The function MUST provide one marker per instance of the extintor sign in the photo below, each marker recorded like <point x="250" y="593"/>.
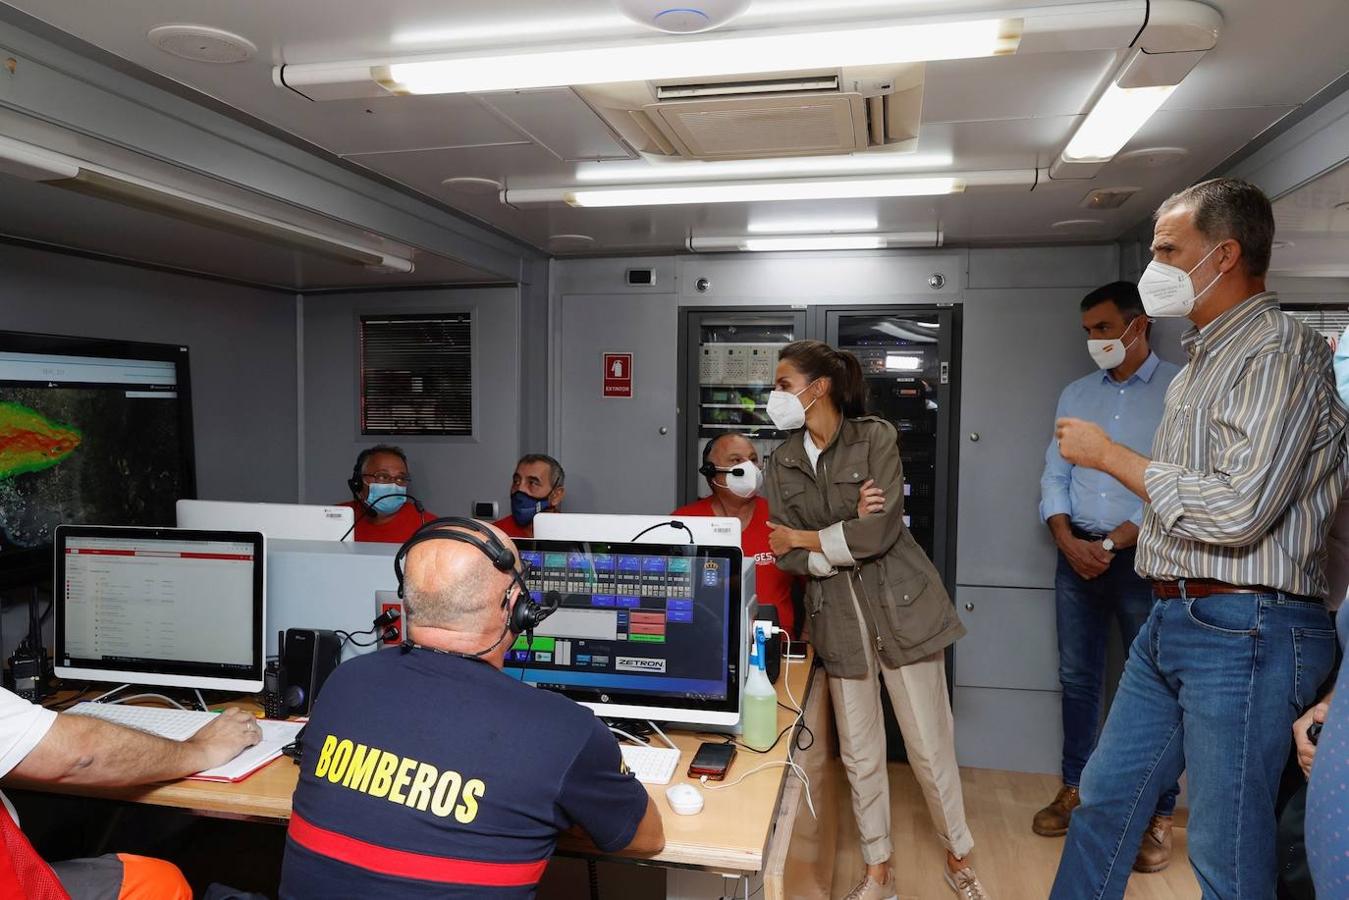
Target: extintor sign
<point x="617" y="375"/>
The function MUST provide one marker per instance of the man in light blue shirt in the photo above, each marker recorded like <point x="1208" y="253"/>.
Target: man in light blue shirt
<point x="1095" y="522"/>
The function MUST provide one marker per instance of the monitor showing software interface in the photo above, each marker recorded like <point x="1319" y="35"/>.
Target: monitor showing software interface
<point x="160" y="606"/>
<point x="644" y="630"/>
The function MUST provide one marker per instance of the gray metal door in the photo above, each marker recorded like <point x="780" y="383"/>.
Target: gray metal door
<point x="618" y="452"/>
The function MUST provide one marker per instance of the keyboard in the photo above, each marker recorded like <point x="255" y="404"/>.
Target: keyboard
<point x="181" y="724"/>
<point x="651" y="765"/>
<point x="174" y="724"/>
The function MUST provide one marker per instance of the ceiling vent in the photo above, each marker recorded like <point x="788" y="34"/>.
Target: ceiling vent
<point x="803" y="114"/>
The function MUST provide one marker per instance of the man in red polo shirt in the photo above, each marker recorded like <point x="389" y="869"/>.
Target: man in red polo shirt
<point x="731" y="467"/>
<point x="385" y="511"/>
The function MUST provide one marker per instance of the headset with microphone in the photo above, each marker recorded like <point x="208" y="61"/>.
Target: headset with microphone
<point x="710" y="469"/>
<point x="524" y="617"/>
<point x="357" y="480"/>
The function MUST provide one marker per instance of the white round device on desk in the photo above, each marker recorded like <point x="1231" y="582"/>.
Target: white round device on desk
<point x="685" y="799"/>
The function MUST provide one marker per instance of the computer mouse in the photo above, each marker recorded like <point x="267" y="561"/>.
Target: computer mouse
<point x="685" y="799"/>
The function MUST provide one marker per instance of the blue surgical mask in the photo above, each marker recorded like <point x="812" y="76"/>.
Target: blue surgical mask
<point x="386" y="499"/>
<point x="524" y="508"/>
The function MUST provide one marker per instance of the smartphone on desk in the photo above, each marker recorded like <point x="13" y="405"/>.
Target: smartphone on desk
<point x="795" y="650"/>
<point x="712" y="760"/>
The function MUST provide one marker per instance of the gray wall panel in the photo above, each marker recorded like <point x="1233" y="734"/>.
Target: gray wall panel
<point x="1019" y="731"/>
<point x="1012" y="639"/>
<point x="448" y="473"/>
<point x="242" y="345"/>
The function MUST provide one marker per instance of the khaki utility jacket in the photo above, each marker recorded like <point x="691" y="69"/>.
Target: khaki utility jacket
<point x="906" y="609"/>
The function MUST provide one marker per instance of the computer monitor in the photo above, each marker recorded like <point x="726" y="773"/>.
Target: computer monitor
<point x="161" y="606"/>
<point x="711" y="531"/>
<point x="91" y="431"/>
<point x="279" y="521"/>
<point x="645" y="631"/>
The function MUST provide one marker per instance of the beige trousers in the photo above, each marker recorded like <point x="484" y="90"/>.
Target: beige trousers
<point x="918" y="692"/>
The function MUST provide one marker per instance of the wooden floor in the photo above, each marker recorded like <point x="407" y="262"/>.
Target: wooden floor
<point x="1013" y="862"/>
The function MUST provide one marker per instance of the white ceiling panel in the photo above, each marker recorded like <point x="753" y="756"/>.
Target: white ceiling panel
<point x="1312" y="227"/>
<point x="998" y="144"/>
<point x="560" y="121"/>
<point x="404" y="123"/>
<point x="1018" y="87"/>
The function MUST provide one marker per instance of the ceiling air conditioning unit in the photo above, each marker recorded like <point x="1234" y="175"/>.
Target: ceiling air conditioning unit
<point x="873" y="108"/>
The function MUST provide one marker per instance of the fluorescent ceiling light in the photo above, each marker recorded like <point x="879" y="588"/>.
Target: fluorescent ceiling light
<point x="788" y="242"/>
<point x="816" y="242"/>
<point x="732" y="53"/>
<point x="39" y="164"/>
<point x="534" y="27"/>
<point x="1115" y="118"/>
<point x="816" y="225"/>
<point x="750" y="191"/>
<point x="34" y="163"/>
<point x="872" y="162"/>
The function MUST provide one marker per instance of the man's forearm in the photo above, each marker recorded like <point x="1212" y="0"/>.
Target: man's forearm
<point x="83" y="750"/>
<point x="1060" y="528"/>
<point x="1128" y="468"/>
<point x="1125" y="536"/>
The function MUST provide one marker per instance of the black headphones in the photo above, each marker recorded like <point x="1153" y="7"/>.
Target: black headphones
<point x="527" y="614"/>
<point x="707" y="469"/>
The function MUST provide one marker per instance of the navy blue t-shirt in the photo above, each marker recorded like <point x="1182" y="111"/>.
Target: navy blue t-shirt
<point x="430" y="775"/>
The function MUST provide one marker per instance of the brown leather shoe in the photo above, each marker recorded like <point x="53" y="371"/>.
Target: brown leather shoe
<point x="1155" y="853"/>
<point x="1052" y="821"/>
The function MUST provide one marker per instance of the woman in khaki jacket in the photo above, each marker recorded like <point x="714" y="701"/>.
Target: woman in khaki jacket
<point x="874" y="601"/>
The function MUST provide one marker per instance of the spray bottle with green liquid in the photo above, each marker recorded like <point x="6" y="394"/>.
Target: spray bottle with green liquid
<point x="759" y="719"/>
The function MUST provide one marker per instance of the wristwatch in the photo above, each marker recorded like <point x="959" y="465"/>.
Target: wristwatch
<point x="1108" y="545"/>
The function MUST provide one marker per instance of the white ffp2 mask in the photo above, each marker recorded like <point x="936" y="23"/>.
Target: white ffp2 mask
<point x="745" y="484"/>
<point x="1110" y="354"/>
<point x="785" y="409"/>
<point x="1168" y="292"/>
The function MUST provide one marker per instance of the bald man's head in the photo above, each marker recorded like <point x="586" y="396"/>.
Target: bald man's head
<point x="453" y="585"/>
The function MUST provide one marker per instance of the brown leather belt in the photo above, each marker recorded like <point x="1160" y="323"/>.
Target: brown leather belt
<point x="1205" y="587"/>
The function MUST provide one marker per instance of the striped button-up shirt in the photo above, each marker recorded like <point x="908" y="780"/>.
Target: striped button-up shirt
<point x="1249" y="461"/>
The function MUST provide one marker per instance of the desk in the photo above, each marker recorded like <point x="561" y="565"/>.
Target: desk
<point x="742" y="830"/>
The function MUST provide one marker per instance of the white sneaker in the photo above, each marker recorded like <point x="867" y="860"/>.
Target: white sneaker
<point x="966" y="884"/>
<point x="870" y="889"/>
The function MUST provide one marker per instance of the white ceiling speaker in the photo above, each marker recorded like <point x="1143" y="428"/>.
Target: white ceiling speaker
<point x="687" y="17"/>
<point x="569" y="243"/>
<point x="1152" y="157"/>
<point x="1077" y="224"/>
<point x="201" y="43"/>
<point x="473" y="185"/>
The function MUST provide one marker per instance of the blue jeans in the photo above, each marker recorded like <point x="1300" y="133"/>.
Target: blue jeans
<point x="1084" y="611"/>
<point x="1212" y="687"/>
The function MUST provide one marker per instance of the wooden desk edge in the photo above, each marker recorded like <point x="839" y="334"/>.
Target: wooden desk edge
<point x="265" y="797"/>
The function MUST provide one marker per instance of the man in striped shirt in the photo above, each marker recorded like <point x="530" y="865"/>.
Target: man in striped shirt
<point x="1246" y="469"/>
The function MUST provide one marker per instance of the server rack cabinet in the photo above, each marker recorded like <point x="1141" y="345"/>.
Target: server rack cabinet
<point x="727" y="360"/>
